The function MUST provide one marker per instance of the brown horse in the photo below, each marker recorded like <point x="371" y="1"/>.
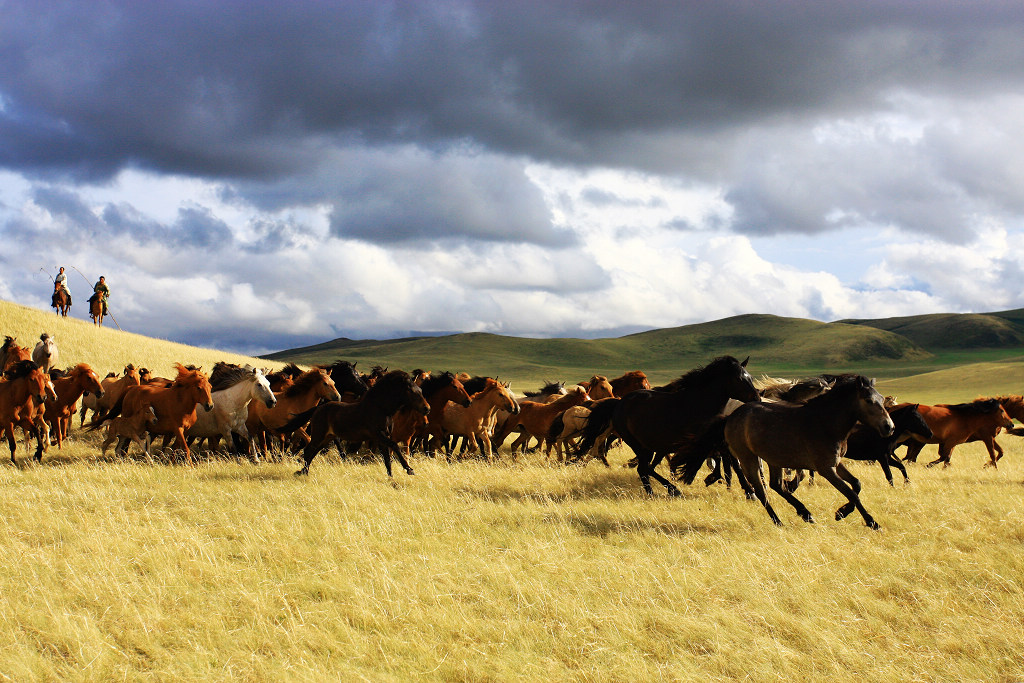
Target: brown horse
<point x="363" y="420"/>
<point x="11" y="353"/>
<point x="473" y="422"/>
<point x="61" y="300"/>
<point x="23" y="385"/>
<point x="599" y="387"/>
<point x="175" y="406"/>
<point x="952" y="425"/>
<point x="69" y="387"/>
<point x="409" y="423"/>
<point x="810" y="436"/>
<point x="536" y="418"/>
<point x="308" y="389"/>
<point x="634" y="380"/>
<point x="113" y="388"/>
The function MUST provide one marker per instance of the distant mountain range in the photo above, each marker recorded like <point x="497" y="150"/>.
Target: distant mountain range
<point x="917" y="342"/>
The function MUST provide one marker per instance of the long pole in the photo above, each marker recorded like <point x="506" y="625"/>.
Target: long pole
<point x="111" y="315"/>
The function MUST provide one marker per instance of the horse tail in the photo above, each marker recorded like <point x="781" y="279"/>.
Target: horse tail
<point x="98" y="419"/>
<point x="691" y="459"/>
<point x="599" y="420"/>
<point x="298" y="420"/>
<point x="555" y="430"/>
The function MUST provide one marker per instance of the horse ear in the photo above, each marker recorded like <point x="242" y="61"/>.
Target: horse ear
<point x="744" y="363"/>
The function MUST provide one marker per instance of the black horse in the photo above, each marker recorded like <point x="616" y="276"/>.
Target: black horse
<point x="346" y="378"/>
<point x="363" y="420"/>
<point x="656" y="423"/>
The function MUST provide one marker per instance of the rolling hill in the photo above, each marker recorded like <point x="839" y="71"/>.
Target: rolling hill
<point x="956" y="330"/>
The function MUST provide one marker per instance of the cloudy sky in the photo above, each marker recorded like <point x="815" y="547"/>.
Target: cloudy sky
<point x="260" y="175"/>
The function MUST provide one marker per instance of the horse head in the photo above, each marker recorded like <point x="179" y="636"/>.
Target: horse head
<point x="195" y="379"/>
<point x="870" y="405"/>
<point x="261" y="389"/>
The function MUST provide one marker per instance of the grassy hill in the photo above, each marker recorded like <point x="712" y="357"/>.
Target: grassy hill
<point x="107" y="349"/>
<point x="773" y="342"/>
<point x="956" y="330"/>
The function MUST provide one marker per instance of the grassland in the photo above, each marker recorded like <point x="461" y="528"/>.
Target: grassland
<point x="514" y="570"/>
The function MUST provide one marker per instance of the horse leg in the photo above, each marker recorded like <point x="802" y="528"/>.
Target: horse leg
<point x="945" y="450"/>
<point x="716" y="471"/>
<point x="884" y="463"/>
<point x="387" y="445"/>
<point x="895" y="462"/>
<point x="12" y="443"/>
<point x="750" y="464"/>
<point x="777" y="485"/>
<point x="992" y="446"/>
<point x="913" y="448"/>
<point x="672" y="489"/>
<point x="849" y="486"/>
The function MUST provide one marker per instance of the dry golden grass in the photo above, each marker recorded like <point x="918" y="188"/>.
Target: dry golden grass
<point x="120" y="569"/>
<point x="107" y="349"/>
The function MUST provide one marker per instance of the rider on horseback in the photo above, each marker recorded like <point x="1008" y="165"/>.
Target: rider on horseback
<point x="102" y="292"/>
<point x="61" y="283"/>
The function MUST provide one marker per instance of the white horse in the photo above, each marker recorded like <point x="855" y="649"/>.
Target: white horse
<point x="232" y="392"/>
<point x="45" y="353"/>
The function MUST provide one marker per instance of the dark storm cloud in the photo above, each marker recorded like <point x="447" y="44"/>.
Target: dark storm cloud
<point x="257" y="92"/>
<point x="225" y="89"/>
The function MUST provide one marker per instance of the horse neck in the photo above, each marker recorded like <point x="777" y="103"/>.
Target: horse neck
<point x="235" y="397"/>
<point x="300" y="403"/>
<point x="832" y="413"/>
<point x="181" y="398"/>
<point x="484" y="403"/>
<point x="439" y="399"/>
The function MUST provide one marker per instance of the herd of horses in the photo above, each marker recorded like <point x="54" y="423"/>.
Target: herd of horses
<point x="717" y="415"/>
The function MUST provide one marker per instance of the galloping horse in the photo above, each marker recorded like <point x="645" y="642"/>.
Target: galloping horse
<point x="61" y="301"/>
<point x="952" y="425"/>
<point x="69" y="387"/>
<point x="96" y="310"/>
<point x="473" y="422"/>
<point x="233" y="387"/>
<point x="309" y="389"/>
<point x="45" y="354"/>
<point x="409" y="423"/>
<point x="284" y="378"/>
<point x="363" y="420"/>
<point x="11" y="353"/>
<point x="866" y="444"/>
<point x="347" y="379"/>
<point x="656" y="423"/>
<point x="23" y="383"/>
<point x="598" y="387"/>
<point x="810" y="436"/>
<point x="175" y="406"/>
<point x="551" y="391"/>
<point x="113" y="388"/>
<point x="535" y="418"/>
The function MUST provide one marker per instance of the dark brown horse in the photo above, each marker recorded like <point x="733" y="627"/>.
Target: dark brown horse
<point x="11" y="353"/>
<point x="952" y="425"/>
<point x="409" y="423"/>
<point x="61" y="300"/>
<point x="23" y="386"/>
<point x="363" y="420"/>
<point x="656" y="423"/>
<point x="96" y="310"/>
<point x="809" y="436"/>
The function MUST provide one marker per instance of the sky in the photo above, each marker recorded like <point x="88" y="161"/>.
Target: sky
<point x="261" y="175"/>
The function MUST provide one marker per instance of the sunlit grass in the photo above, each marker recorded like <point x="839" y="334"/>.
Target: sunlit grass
<point x="514" y="570"/>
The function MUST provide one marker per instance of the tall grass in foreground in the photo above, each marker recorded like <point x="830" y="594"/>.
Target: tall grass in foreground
<point x="507" y="571"/>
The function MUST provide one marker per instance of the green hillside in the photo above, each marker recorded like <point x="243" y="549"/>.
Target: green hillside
<point x="773" y="342"/>
<point x="956" y="330"/>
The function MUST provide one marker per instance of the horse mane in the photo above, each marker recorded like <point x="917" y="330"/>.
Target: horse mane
<point x="227" y="375"/>
<point x="340" y="363"/>
<point x="980" y="406"/>
<point x="475" y="385"/>
<point x="44" y="336"/>
<point x="188" y="374"/>
<point x="389" y="380"/>
<point x="840" y="383"/>
<point x="488" y="384"/>
<point x="22" y="368"/>
<point x="290" y="371"/>
<point x="435" y="383"/>
<point x="9" y="341"/>
<point x="698" y="375"/>
<point x="305" y="382"/>
<point x="547" y="389"/>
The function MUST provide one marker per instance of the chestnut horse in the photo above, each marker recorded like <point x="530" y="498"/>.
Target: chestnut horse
<point x="536" y="418"/>
<point x="23" y="383"/>
<point x="635" y="380"/>
<point x="11" y="353"/>
<point x="69" y="387"/>
<point x="175" y="406"/>
<point x="113" y="388"/>
<point x="473" y="422"/>
<point x="61" y="300"/>
<point x="309" y="389"/>
<point x="363" y="420"/>
<point x="951" y="425"/>
<point x="96" y="310"/>
<point x="598" y="387"/>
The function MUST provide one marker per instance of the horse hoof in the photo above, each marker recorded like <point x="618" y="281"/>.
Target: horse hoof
<point x="809" y="519"/>
<point x="410" y="472"/>
<point x="301" y="473"/>
<point x="873" y="525"/>
<point x="675" y="493"/>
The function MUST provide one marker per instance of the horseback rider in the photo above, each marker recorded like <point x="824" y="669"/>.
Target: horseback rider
<point x="61" y="283"/>
<point x="102" y="292"/>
